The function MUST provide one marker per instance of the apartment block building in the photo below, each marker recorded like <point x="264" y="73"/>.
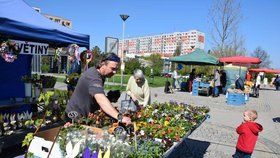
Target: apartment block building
<point x="164" y="44"/>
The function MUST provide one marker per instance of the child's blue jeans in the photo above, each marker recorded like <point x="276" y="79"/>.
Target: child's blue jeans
<point x="241" y="154"/>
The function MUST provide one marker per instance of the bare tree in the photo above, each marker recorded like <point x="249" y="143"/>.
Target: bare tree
<point x="263" y="55"/>
<point x="224" y="19"/>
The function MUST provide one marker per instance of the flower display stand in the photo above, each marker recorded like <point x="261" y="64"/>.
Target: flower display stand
<point x="195" y="86"/>
<point x="180" y="148"/>
<point x="236" y="98"/>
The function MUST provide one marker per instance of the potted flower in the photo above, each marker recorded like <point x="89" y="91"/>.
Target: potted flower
<point x="28" y="85"/>
<point x="36" y="81"/>
<point x="9" y="50"/>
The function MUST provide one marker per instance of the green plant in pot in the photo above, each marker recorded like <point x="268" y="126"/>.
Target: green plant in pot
<point x="37" y="83"/>
<point x="28" y="85"/>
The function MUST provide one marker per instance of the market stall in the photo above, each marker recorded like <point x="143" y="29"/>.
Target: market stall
<point x="265" y="70"/>
<point x="197" y="57"/>
<point x="274" y="81"/>
<point x="236" y="69"/>
<point x="24" y="33"/>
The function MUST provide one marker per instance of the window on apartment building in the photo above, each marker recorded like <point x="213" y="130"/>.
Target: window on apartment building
<point x="57" y="20"/>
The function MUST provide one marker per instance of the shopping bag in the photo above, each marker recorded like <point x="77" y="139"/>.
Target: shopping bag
<point x="127" y="105"/>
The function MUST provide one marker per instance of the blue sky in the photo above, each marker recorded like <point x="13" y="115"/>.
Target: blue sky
<point x="100" y="18"/>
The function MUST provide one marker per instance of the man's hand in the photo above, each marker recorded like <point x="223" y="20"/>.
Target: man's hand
<point x="126" y="120"/>
<point x="140" y="107"/>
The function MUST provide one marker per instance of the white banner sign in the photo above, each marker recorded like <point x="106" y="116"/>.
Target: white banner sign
<point x="111" y="45"/>
<point x="32" y="48"/>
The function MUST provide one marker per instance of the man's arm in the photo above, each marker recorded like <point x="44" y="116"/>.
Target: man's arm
<point x="107" y="107"/>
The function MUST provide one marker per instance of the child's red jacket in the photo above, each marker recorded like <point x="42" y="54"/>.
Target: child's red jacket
<point x="248" y="135"/>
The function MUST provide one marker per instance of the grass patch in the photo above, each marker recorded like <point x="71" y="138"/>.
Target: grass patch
<point x="153" y="82"/>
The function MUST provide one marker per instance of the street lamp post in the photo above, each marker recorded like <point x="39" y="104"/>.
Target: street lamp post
<point x="124" y="17"/>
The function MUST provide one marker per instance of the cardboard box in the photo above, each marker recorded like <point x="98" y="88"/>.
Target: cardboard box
<point x="42" y="143"/>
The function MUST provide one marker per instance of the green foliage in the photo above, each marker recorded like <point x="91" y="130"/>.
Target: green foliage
<point x="97" y="54"/>
<point x="148" y="149"/>
<point x="46" y="60"/>
<point x="48" y="81"/>
<point x="29" y="123"/>
<point x="62" y="137"/>
<point x="30" y="155"/>
<point x="46" y="97"/>
<point x="28" y="138"/>
<point x="157" y="81"/>
<point x="206" y="70"/>
<point x="45" y="68"/>
<point x="131" y="65"/>
<point x="147" y="71"/>
<point x="269" y="77"/>
<point x="157" y="63"/>
<point x="38" y="122"/>
<point x="176" y="53"/>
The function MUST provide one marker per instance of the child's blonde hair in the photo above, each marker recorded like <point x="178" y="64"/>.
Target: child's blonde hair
<point x="253" y="114"/>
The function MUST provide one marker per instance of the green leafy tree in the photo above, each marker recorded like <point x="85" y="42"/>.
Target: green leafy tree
<point x="156" y="63"/>
<point x="177" y="52"/>
<point x="131" y="65"/>
<point x="96" y="56"/>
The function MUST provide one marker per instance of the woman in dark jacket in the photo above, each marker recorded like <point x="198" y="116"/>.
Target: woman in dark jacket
<point x="277" y="83"/>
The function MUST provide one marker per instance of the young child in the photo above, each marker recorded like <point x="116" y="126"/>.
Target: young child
<point x="248" y="134"/>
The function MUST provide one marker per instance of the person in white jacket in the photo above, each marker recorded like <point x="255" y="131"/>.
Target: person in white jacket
<point x="258" y="80"/>
<point x="175" y="81"/>
<point x="138" y="89"/>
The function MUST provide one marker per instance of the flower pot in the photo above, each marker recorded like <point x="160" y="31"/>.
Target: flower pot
<point x="37" y="92"/>
<point x="28" y="89"/>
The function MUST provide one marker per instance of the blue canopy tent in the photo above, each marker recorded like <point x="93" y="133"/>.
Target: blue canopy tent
<point x="19" y="21"/>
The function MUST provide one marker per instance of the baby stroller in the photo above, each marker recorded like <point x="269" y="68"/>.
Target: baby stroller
<point x="255" y="90"/>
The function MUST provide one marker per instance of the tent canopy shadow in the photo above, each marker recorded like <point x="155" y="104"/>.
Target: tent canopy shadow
<point x="189" y="148"/>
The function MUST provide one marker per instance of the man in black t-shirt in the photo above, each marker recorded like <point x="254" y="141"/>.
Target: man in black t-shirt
<point x="89" y="93"/>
